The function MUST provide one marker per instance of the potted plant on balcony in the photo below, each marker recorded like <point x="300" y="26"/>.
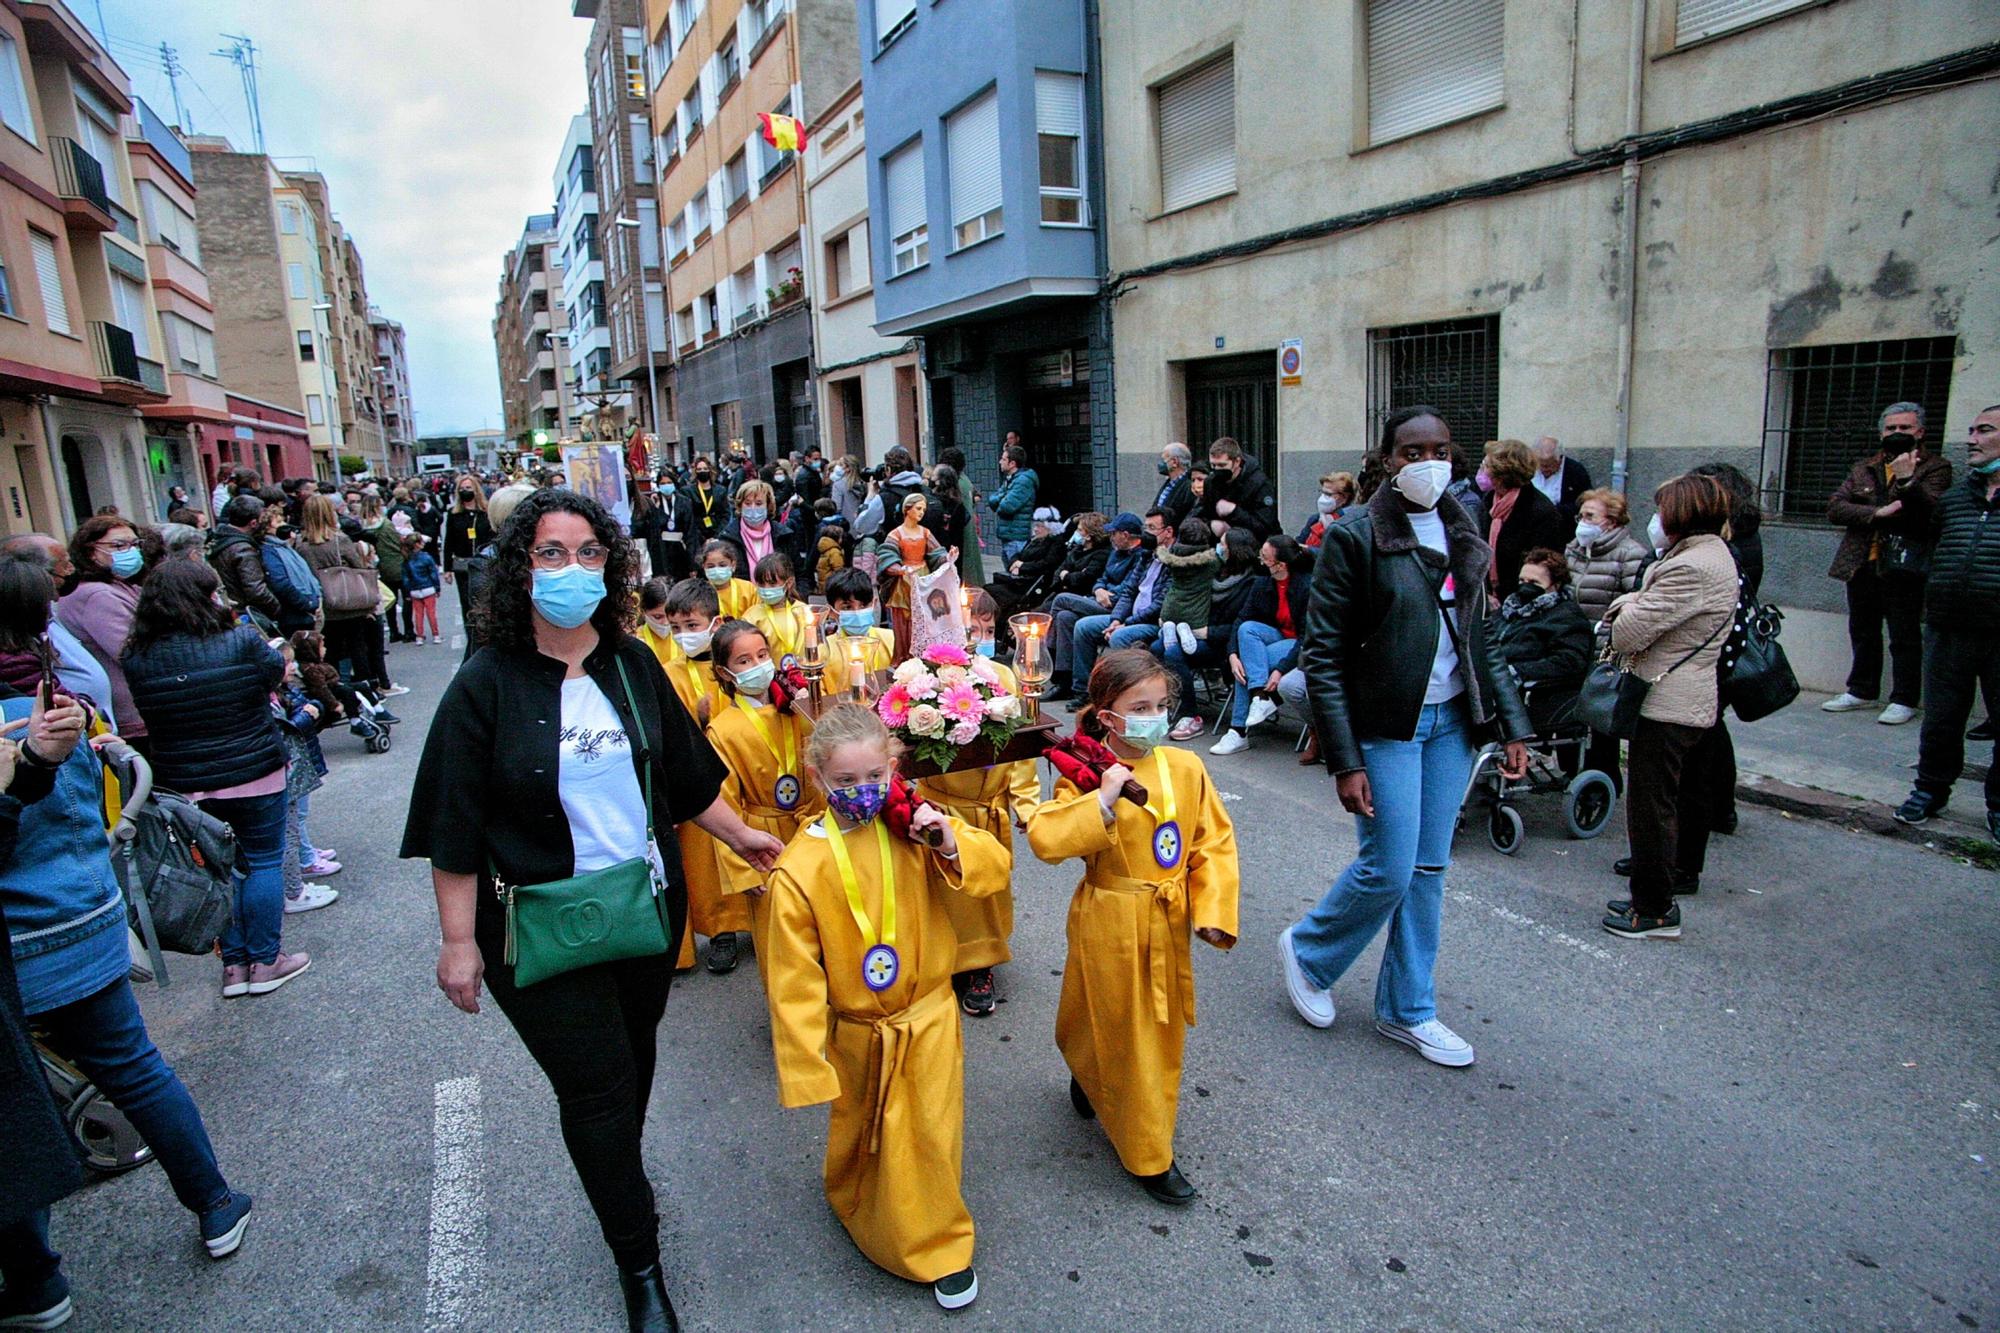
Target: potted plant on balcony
<point x="788" y="291"/>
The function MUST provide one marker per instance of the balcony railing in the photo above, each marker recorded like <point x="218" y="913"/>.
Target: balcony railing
<point x="118" y="358"/>
<point x="128" y="226"/>
<point x="78" y="174"/>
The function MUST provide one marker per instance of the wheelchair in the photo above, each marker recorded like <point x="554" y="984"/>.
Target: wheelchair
<point x="1556" y="763"/>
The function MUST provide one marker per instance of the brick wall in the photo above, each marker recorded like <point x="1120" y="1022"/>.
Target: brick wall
<point x="239" y="246"/>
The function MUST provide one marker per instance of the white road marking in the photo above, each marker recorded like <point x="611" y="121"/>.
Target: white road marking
<point x="1546" y="932"/>
<point x="457" y="641"/>
<point x="457" y="1269"/>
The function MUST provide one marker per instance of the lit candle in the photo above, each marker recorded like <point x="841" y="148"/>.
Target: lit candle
<point x="856" y="672"/>
<point x="812" y="635"/>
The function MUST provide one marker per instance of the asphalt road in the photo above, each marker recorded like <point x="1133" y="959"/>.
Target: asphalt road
<point x="1788" y="1119"/>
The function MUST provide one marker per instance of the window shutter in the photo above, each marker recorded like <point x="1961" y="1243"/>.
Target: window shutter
<point x="1696" y="19"/>
<point x="1197" y="128"/>
<point x="48" y="276"/>
<point x="972" y="142"/>
<point x="1432" y="61"/>
<point x="13" y="90"/>
<point x="889" y="13"/>
<point x="903" y="187"/>
<point x="1058" y="103"/>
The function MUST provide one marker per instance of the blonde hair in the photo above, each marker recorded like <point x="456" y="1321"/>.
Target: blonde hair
<point x="847" y="724"/>
<point x="1615" y="505"/>
<point x="1509" y="463"/>
<point x="750" y="490"/>
<point x="1340" y="481"/>
<point x="317" y="519"/>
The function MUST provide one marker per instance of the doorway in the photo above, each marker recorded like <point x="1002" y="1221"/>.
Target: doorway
<point x="1235" y="396"/>
<point x="1055" y="404"/>
<point x="850" y="417"/>
<point x="78" y="475"/>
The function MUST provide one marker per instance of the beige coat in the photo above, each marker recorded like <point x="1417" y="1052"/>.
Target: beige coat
<point x="1689" y="594"/>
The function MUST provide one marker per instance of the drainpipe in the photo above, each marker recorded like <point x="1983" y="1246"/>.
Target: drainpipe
<point x="1628" y="244"/>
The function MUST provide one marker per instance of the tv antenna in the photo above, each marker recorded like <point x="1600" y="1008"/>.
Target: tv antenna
<point x="242" y="52"/>
<point x="170" y="65"/>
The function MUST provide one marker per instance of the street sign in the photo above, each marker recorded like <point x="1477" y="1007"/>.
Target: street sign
<point x="1291" y="362"/>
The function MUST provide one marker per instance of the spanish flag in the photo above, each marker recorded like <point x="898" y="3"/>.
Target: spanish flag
<point x="787" y="134"/>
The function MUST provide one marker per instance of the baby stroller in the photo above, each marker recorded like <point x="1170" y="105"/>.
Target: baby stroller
<point x="1556" y="763"/>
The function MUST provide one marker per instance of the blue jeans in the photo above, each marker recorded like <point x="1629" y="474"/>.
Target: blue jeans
<point x="1088" y="639"/>
<point x="259" y="821"/>
<point x="1262" y="649"/>
<point x="1008" y="550"/>
<point x="1206" y="653"/>
<point x="1398" y="876"/>
<point x="106" y="1038"/>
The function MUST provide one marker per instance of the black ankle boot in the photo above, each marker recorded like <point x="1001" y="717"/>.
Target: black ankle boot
<point x="647" y="1309"/>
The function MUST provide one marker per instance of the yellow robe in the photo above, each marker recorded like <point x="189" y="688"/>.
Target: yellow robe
<point x="665" y="649"/>
<point x="991" y="799"/>
<point x="735" y="598"/>
<point x="891" y="1062"/>
<point x="784" y="628"/>
<point x="711" y="912"/>
<point x="878" y="653"/>
<point x="749" y="789"/>
<point x="1128" y="987"/>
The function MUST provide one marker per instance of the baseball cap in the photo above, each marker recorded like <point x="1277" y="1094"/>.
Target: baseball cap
<point x="1127" y="522"/>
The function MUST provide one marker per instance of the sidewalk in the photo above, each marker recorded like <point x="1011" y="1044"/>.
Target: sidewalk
<point x="1849" y="768"/>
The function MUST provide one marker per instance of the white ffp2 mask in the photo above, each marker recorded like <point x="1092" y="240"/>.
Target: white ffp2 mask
<point x="1422" y="483"/>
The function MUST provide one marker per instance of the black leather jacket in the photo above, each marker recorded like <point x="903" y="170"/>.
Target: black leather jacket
<point x="239" y="563"/>
<point x="1372" y="630"/>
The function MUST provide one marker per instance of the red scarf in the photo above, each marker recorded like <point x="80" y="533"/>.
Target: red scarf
<point x="1502" y="505"/>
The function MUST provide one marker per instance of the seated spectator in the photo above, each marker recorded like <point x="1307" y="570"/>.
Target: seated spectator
<point x="1191" y="563"/>
<point x="1519" y="518"/>
<point x="1240" y="592"/>
<point x="1336" y="493"/>
<point x="1264" y="650"/>
<point x="1104" y="556"/>
<point x="1134" y="620"/>
<point x="1543" y="636"/>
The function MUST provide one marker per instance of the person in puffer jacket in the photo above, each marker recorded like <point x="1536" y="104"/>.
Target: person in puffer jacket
<point x="1605" y="557"/>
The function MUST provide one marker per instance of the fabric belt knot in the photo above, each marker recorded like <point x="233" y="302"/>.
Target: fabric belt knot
<point x="1166" y="939"/>
<point x="892" y="1043"/>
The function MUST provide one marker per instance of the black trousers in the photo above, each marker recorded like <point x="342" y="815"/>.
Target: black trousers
<point x="1667" y="809"/>
<point x="594" y="1032"/>
<point x="1897" y="599"/>
<point x="1957" y="664"/>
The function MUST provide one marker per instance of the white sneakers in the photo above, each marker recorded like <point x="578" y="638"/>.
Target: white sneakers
<point x="1895" y="715"/>
<point x="1845" y="703"/>
<point x="311" y="898"/>
<point x="1432" y="1040"/>
<point x="1262" y="709"/>
<point x="1183" y="634"/>
<point x="1231" y="742"/>
<point x="1314" y="1005"/>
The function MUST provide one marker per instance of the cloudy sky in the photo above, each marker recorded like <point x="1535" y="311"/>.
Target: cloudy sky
<point x="436" y="123"/>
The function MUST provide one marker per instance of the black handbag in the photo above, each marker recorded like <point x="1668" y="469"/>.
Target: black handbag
<point x="1898" y="554"/>
<point x="1756" y="677"/>
<point x="1613" y="693"/>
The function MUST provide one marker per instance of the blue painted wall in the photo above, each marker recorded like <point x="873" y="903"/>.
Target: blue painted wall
<point x="954" y="51"/>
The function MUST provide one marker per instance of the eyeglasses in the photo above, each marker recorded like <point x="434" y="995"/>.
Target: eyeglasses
<point x="590" y="556"/>
<point x="118" y="544"/>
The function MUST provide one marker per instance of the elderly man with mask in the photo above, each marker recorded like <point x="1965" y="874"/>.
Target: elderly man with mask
<point x="1562" y="479"/>
<point x="1176" y="495"/>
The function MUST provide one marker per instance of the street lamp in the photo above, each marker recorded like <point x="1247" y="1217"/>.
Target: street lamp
<point x="646" y="332"/>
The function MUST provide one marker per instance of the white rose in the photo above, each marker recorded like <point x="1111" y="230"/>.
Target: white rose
<point x="927" y="721"/>
<point x="1005" y="708"/>
<point x="905" y="671"/>
<point x="951" y="675"/>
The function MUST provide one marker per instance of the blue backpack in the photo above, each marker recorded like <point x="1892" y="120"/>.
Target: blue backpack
<point x="291" y="577"/>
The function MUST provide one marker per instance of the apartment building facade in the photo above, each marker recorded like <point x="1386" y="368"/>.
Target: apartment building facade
<point x="346" y="346"/>
<point x="986" y="243"/>
<point x="261" y="241"/>
<point x="1663" y="231"/>
<point x="733" y="211"/>
<point x="531" y="336"/>
<point x="399" y="415"/>
<point x="869" y="390"/>
<point x="621" y="132"/>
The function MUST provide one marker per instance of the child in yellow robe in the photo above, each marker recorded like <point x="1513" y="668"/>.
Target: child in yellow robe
<point x="654" y="631"/>
<point x="994" y="799"/>
<point x="734" y="595"/>
<point x="850" y="594"/>
<point x="859" y="961"/>
<point x="779" y="612"/>
<point x="1149" y="876"/>
<point x="688" y="612"/>
<point x="764" y="751"/>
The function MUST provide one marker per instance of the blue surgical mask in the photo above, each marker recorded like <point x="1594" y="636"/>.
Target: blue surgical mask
<point x="984" y="647"/>
<point x="755" y="515"/>
<point x="568" y="596"/>
<point x="1986" y="469"/>
<point x="1144" y="733"/>
<point x="718" y="574"/>
<point x="127" y="562"/>
<point x="855" y="624"/>
<point x="756" y="679"/>
<point x="772" y="596"/>
<point x="668" y="490"/>
<point x="1222" y="551"/>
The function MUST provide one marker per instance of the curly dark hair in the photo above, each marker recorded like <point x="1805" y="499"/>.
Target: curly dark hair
<point x="502" y="614"/>
<point x="179" y="598"/>
<point x="92" y="532"/>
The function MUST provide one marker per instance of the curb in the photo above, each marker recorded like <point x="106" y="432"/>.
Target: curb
<point x="1853" y="812"/>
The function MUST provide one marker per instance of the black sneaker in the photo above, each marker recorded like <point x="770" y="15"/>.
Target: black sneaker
<point x="977" y="996"/>
<point x="222" y="1228"/>
<point x="1622" y="867"/>
<point x="1632" y="926"/>
<point x="1079" y="1101"/>
<point x="722" y="953"/>
<point x="1170" y="1187"/>
<point x="955" y="1291"/>
<point x="1919" y="808"/>
<point x="1982" y="732"/>
<point x="46" y="1304"/>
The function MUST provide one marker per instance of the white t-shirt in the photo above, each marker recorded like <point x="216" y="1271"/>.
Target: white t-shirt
<point x="598" y="785"/>
<point x="1550" y="486"/>
<point x="1447" y="682"/>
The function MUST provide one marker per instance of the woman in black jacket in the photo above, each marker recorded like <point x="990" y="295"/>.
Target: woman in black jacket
<point x="533" y="772"/>
<point x="466" y="531"/>
<point x="1521" y="519"/>
<point x="1083" y="563"/>
<point x="1400" y="677"/>
<point x="204" y="683"/>
<point x="1543" y="636"/>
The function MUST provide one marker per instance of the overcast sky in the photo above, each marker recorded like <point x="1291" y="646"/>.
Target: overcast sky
<point x="436" y="123"/>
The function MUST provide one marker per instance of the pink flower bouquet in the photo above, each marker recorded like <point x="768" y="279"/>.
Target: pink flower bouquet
<point x="946" y="699"/>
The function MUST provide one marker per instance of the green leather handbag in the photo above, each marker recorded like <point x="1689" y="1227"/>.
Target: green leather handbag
<point x="609" y="914"/>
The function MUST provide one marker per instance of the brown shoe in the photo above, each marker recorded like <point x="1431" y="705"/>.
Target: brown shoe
<point x="267" y="977"/>
<point x="1310" y="755"/>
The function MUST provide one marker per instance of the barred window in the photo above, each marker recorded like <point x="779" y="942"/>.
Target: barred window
<point x="1822" y="405"/>
<point x="1452" y="364"/>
